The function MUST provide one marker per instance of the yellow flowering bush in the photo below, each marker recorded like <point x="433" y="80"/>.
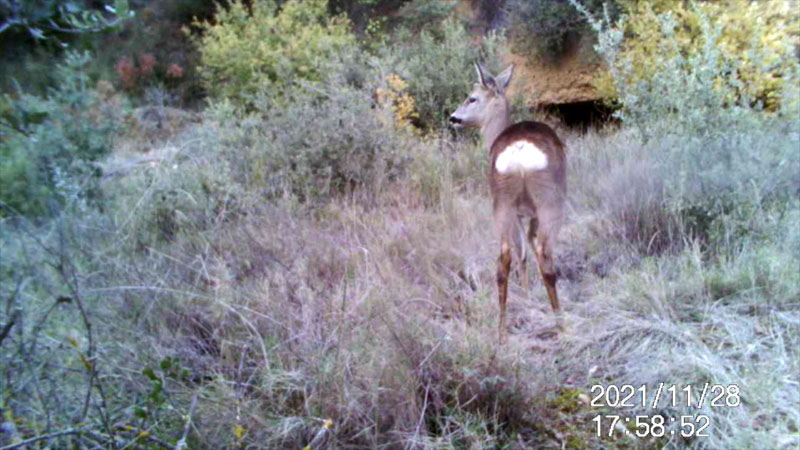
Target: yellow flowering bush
<point x="247" y="49"/>
<point x="398" y="101"/>
<point x="756" y="38"/>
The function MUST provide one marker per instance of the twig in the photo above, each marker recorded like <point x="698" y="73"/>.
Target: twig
<point x="182" y="442"/>
<point x="321" y="440"/>
<point x="13" y="316"/>
<point x="74" y="288"/>
<point x="43" y="437"/>
<point x="12" y="319"/>
<point x="424" y="409"/>
<point x="140" y="434"/>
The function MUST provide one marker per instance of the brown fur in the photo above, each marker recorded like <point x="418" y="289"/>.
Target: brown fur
<point x="535" y="189"/>
<point x="535" y="195"/>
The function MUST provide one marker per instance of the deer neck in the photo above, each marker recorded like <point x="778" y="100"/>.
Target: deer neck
<point x="498" y="121"/>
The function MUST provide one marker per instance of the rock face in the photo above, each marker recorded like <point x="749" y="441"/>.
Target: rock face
<point x="569" y="80"/>
<point x="541" y="83"/>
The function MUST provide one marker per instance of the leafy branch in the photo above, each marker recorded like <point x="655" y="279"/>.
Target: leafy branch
<point x="61" y="16"/>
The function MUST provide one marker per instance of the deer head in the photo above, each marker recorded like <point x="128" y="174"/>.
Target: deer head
<point x="487" y="100"/>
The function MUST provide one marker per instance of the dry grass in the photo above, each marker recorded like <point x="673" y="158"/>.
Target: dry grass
<point x="379" y="311"/>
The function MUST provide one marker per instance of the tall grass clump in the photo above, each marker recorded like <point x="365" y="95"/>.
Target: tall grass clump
<point x="327" y="140"/>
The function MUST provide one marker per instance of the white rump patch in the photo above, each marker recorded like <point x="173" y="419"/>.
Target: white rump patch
<point x="521" y="155"/>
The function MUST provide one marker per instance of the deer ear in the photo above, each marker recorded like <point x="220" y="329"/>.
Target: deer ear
<point x="504" y="79"/>
<point x="484" y="78"/>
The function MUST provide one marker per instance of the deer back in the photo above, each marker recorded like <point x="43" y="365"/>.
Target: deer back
<point x="528" y="166"/>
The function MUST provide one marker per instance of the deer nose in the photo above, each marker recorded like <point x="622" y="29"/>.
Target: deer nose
<point x="454" y="119"/>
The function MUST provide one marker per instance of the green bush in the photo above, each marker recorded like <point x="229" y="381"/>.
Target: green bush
<point x="544" y="27"/>
<point x="425" y="14"/>
<point x="326" y="139"/>
<point x="46" y="18"/>
<point x="249" y="48"/>
<point x="50" y="144"/>
<point x="718" y="152"/>
<point x="757" y="40"/>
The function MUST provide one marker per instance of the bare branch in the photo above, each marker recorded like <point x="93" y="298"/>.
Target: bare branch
<point x="12" y="312"/>
<point x="43" y="437"/>
<point x="12" y="319"/>
<point x="182" y="442"/>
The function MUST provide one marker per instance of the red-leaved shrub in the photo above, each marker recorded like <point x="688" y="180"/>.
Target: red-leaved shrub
<point x="146" y="64"/>
<point x="126" y="72"/>
<point x="174" y="71"/>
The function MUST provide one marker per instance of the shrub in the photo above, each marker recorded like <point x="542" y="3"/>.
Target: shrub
<point x="174" y="71"/>
<point x="249" y="48"/>
<point x="395" y="99"/>
<point x="718" y="152"/>
<point x="50" y="145"/>
<point x="544" y="27"/>
<point x="126" y="72"/>
<point x="756" y="40"/>
<point x="182" y="199"/>
<point x="132" y="76"/>
<point x="327" y="139"/>
<point x="422" y="14"/>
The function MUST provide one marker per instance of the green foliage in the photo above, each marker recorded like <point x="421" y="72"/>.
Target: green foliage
<point x="438" y="66"/>
<point x="756" y="40"/>
<point x="249" y="49"/>
<point x="718" y="155"/>
<point x="44" y="17"/>
<point x="50" y="145"/>
<point x="362" y="12"/>
<point x="422" y="14"/>
<point x="326" y="140"/>
<point x="545" y="28"/>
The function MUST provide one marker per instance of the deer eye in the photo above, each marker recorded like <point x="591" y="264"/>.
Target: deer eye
<point x="472" y="100"/>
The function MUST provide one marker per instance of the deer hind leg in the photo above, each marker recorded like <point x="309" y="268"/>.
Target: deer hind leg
<point x="541" y="241"/>
<point x="532" y="229"/>
<point x="547" y="268"/>
<point x="504" y="221"/>
<point x="521" y="254"/>
<point x="503" y="268"/>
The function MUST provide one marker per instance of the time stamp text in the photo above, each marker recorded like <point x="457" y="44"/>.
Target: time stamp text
<point x="659" y="425"/>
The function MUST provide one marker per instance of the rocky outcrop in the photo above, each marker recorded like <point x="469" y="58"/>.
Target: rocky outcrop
<point x="541" y="82"/>
<point x="569" y="80"/>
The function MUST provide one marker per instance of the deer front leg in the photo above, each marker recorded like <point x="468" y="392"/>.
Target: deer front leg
<point x="503" y="268"/>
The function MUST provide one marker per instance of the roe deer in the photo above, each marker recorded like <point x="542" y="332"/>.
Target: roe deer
<point x="527" y="181"/>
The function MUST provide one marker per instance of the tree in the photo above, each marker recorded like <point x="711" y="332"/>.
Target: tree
<point x="43" y="17"/>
